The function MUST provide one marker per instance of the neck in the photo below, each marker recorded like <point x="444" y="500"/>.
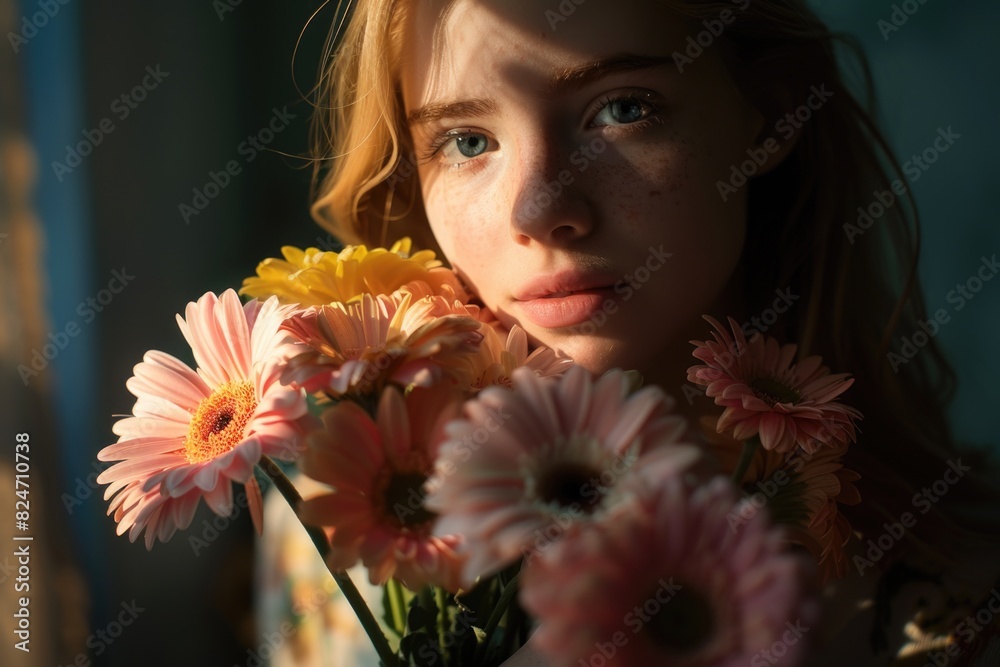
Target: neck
<point x="669" y="370"/>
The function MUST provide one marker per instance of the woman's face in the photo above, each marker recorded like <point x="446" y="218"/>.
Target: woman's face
<point x="569" y="168"/>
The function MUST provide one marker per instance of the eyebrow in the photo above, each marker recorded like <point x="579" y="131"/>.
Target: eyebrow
<point x="475" y="108"/>
<point x="564" y="82"/>
<point x="574" y="78"/>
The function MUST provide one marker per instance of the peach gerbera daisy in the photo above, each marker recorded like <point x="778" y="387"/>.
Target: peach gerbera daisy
<point x="378" y="468"/>
<point x="524" y="464"/>
<point x="193" y="433"/>
<point x="498" y="358"/>
<point x="767" y="396"/>
<point x="667" y="583"/>
<point x="356" y="348"/>
<point x="313" y="277"/>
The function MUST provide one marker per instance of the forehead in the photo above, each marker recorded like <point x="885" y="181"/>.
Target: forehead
<point x="460" y="45"/>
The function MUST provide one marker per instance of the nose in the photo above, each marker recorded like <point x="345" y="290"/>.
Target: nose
<point x="550" y="205"/>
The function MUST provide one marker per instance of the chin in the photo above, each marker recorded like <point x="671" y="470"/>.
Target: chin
<point x="599" y="355"/>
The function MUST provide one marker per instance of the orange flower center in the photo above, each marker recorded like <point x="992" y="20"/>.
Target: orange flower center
<point x="218" y="423"/>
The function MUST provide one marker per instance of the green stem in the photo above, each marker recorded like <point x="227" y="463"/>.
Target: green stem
<point x="397" y="606"/>
<point x="494" y="620"/>
<point x="442" y="604"/>
<point x="749" y="449"/>
<point x="351" y="592"/>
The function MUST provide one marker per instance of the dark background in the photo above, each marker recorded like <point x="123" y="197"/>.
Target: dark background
<point x="120" y="209"/>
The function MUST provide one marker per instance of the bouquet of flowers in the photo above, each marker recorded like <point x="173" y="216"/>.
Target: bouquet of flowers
<point x="498" y="493"/>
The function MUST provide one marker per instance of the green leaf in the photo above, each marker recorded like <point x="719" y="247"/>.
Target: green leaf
<point x="420" y="649"/>
<point x="421" y="618"/>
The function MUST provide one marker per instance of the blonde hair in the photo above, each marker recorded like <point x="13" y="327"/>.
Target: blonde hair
<point x="859" y="294"/>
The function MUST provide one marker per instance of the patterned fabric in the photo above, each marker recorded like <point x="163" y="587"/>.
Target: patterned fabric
<point x="298" y="599"/>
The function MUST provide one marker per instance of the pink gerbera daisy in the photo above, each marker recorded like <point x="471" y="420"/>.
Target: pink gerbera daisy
<point x="768" y="396"/>
<point x="402" y="339"/>
<point x="667" y="583"/>
<point x="525" y="464"/>
<point x="193" y="433"/>
<point x="377" y="468"/>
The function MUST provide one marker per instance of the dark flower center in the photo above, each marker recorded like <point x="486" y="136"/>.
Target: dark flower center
<point x="683" y="624"/>
<point x="771" y="391"/>
<point x="571" y="485"/>
<point x="221" y="421"/>
<point x="218" y="422"/>
<point x="404" y="499"/>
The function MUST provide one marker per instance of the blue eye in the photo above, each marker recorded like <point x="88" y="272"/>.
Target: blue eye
<point x="622" y="110"/>
<point x="456" y="147"/>
<point x="472" y="145"/>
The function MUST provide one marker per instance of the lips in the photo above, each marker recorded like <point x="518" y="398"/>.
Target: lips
<point x="564" y="299"/>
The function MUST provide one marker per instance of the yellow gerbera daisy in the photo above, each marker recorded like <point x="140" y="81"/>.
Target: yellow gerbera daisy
<point x="313" y="277"/>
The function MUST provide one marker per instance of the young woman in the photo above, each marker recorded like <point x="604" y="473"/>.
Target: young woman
<point x="603" y="174"/>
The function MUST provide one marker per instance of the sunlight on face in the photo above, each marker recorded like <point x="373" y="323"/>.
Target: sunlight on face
<point x="569" y="174"/>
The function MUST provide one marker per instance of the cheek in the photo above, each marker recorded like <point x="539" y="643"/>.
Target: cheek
<point x="667" y="198"/>
<point x="668" y="194"/>
<point x="467" y="229"/>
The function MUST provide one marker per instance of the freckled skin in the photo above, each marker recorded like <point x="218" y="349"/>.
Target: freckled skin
<point x="695" y="126"/>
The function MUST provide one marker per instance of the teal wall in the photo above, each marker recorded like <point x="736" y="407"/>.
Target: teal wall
<point x="938" y="70"/>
